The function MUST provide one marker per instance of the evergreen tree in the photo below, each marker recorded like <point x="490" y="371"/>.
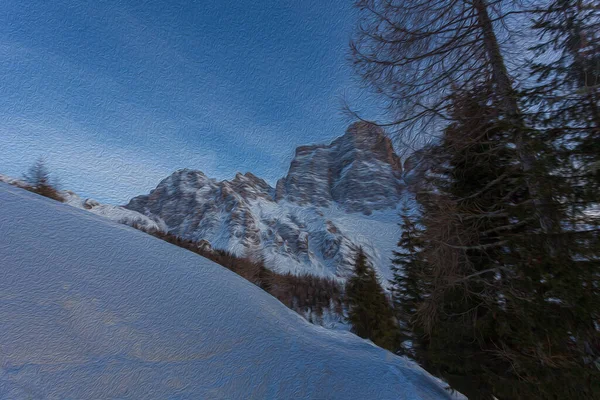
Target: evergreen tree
<point x="38" y="174"/>
<point x="567" y="95"/>
<point x="511" y="244"/>
<point x="507" y="315"/>
<point x="466" y="199"/>
<point x="407" y="285"/>
<point x="566" y="101"/>
<point x="369" y="311"/>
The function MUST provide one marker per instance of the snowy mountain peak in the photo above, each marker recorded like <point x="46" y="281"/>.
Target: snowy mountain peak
<point x="186" y="179"/>
<point x="313" y="222"/>
<point x="250" y="186"/>
<point x="372" y="141"/>
<point x="359" y="171"/>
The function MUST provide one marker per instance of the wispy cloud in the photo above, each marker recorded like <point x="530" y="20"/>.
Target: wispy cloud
<point x="87" y="164"/>
<point x="117" y="95"/>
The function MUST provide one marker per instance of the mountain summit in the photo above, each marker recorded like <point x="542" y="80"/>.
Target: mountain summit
<point x="334" y="199"/>
<point x="360" y="171"/>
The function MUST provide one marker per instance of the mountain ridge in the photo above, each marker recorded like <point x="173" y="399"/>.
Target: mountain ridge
<point x="308" y="222"/>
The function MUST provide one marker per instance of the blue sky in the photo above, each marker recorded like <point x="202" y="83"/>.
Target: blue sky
<point x="118" y="94"/>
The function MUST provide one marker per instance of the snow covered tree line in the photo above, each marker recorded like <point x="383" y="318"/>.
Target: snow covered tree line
<point x="497" y="282"/>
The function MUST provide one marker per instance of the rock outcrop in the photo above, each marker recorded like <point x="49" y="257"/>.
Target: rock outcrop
<point x="359" y="171"/>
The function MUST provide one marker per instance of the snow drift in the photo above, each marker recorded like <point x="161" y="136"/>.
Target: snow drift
<point x="93" y="309"/>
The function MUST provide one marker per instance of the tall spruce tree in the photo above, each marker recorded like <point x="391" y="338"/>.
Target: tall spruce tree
<point x="511" y="241"/>
<point x="407" y="285"/>
<point x="566" y="101"/>
<point x="505" y="316"/>
<point x="466" y="205"/>
<point x="369" y="311"/>
<point x="567" y="95"/>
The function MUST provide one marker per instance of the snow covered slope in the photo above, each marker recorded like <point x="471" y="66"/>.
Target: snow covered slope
<point x="92" y="309"/>
<point x="118" y="214"/>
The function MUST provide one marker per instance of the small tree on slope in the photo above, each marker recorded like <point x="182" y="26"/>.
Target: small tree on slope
<point x="38" y="177"/>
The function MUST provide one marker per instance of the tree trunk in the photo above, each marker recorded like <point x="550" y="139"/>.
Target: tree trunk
<point x="509" y="105"/>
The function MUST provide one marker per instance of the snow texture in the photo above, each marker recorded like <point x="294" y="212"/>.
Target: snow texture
<point x="92" y="309"/>
<point x="118" y="214"/>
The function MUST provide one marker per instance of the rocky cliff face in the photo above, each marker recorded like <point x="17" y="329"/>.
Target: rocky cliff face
<point x="335" y="199"/>
<point x="197" y="207"/>
<point x="360" y="171"/>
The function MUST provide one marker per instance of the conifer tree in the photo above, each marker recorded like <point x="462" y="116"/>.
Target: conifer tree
<point x="567" y="96"/>
<point x="466" y="203"/>
<point x="369" y="311"/>
<point x="505" y="317"/>
<point x="38" y="174"/>
<point x="511" y="242"/>
<point x="407" y="285"/>
<point x="566" y="101"/>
